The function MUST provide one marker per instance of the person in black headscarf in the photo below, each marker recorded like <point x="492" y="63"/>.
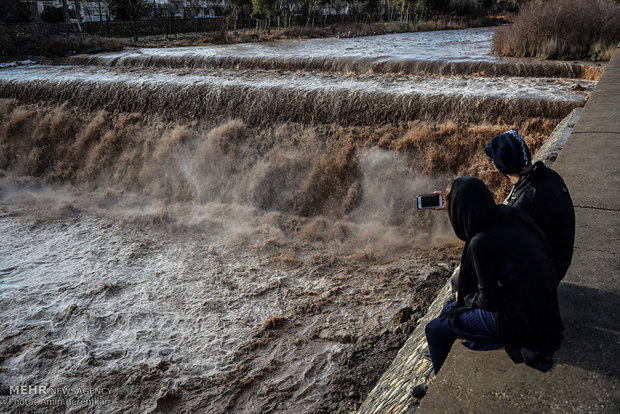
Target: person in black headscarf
<point x="540" y="192"/>
<point x="507" y="288"/>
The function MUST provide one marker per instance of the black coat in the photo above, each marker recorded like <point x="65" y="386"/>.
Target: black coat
<point x="506" y="268"/>
<point x="543" y="195"/>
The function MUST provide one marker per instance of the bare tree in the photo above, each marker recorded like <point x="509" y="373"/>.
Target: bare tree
<point x="65" y="11"/>
<point x="128" y="10"/>
<point x="77" y="14"/>
<point x="193" y="8"/>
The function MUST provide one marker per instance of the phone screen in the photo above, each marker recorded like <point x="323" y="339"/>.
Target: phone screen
<point x="429" y="201"/>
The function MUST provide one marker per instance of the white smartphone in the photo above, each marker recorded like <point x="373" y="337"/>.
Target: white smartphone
<point x="429" y="201"/>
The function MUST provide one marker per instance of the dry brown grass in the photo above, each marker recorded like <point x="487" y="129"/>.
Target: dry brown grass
<point x="562" y="29"/>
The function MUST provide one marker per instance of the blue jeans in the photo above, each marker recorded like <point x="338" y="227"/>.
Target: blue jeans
<point x="476" y="326"/>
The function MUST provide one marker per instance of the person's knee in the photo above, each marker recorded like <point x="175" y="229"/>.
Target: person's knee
<point x="430" y="327"/>
<point x="433" y="329"/>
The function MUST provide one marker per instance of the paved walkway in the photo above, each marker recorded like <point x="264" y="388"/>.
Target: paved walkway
<point x="586" y="376"/>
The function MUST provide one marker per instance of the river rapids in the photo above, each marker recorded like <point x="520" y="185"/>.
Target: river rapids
<point x="233" y="228"/>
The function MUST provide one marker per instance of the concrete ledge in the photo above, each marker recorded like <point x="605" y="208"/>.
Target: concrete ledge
<point x="465" y="385"/>
<point x="409" y="368"/>
<point x="550" y="150"/>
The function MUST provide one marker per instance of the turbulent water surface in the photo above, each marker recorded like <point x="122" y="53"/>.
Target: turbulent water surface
<point x="232" y="228"/>
<point x="453" y="52"/>
<point x="471" y="44"/>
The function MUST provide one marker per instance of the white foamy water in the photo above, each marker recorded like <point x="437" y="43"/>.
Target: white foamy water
<point x="453" y="45"/>
<point x="500" y="87"/>
<point x="104" y="298"/>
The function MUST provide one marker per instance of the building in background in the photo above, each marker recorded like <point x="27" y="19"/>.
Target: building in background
<point x="98" y="10"/>
<point x="90" y="11"/>
<point x="94" y="11"/>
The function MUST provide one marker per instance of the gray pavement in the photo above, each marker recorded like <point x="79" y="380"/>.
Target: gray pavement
<point x="585" y="377"/>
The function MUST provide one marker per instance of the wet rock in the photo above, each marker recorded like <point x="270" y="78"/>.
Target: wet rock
<point x="404" y="314"/>
<point x="163" y="365"/>
<point x="275" y="322"/>
<point x="168" y="401"/>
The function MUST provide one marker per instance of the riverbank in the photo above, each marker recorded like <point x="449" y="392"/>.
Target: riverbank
<point x="312" y="32"/>
<point x="57" y="46"/>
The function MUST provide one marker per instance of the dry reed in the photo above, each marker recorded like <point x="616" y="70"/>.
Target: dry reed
<point x="562" y="29"/>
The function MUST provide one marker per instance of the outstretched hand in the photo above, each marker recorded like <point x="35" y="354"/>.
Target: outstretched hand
<point x="443" y="199"/>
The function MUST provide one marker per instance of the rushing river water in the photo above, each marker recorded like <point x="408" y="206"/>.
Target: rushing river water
<point x="453" y="45"/>
<point x="231" y="228"/>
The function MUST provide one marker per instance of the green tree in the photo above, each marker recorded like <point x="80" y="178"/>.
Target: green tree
<point x="78" y="15"/>
<point x="52" y="14"/>
<point x="405" y="9"/>
<point x="313" y="5"/>
<point x="65" y="12"/>
<point x="372" y="6"/>
<point x="469" y="7"/>
<point x="506" y="5"/>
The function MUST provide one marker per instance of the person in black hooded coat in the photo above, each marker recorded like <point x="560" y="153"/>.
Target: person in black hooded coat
<point x="507" y="289"/>
<point x="540" y="192"/>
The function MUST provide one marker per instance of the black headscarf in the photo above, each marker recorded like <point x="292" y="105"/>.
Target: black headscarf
<point x="471" y="206"/>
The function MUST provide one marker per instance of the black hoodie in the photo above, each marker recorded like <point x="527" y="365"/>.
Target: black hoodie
<point x="506" y="268"/>
<point x="543" y="195"/>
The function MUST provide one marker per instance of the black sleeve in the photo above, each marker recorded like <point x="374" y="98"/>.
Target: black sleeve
<point x="484" y="259"/>
<point x="561" y="234"/>
<point x="556" y="218"/>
